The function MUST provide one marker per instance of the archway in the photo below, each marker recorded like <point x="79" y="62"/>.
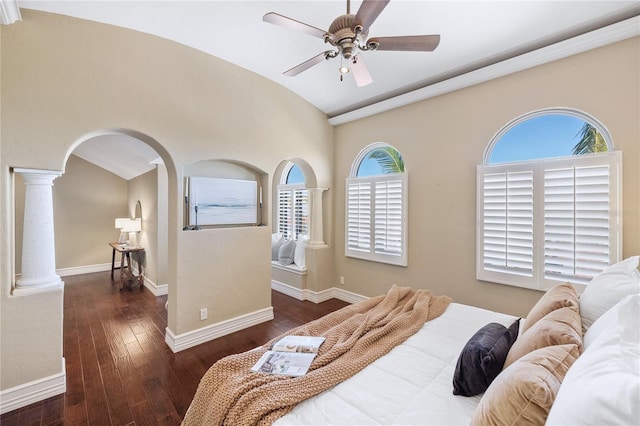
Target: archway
<point x="160" y="222"/>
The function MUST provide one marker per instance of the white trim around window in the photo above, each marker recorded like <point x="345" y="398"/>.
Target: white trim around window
<point x="376" y="219"/>
<point x="548" y="221"/>
<point x="293" y="211"/>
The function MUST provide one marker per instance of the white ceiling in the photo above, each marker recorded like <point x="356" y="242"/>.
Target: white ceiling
<point x="122" y="155"/>
<point x="474" y="34"/>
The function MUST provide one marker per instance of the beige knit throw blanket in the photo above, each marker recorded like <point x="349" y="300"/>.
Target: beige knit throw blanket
<point x="356" y="335"/>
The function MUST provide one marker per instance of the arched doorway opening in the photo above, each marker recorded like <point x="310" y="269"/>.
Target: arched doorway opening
<point x="108" y="174"/>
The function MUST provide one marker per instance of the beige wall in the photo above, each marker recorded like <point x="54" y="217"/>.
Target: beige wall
<point x="65" y="78"/>
<point x="227" y="290"/>
<point x="443" y="139"/>
<point x="163" y="226"/>
<point x="144" y="188"/>
<point x="83" y="216"/>
<point x="86" y="199"/>
<point x="62" y="78"/>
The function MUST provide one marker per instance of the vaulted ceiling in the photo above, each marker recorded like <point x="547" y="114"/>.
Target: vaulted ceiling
<point x="475" y="35"/>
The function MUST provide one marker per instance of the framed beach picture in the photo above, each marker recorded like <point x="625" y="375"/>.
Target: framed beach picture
<point x="217" y="201"/>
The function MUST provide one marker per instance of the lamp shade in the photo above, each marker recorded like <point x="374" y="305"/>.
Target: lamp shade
<point x="132" y="225"/>
<point x="121" y="221"/>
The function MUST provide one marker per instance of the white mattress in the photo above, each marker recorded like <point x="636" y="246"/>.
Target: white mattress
<point x="410" y="385"/>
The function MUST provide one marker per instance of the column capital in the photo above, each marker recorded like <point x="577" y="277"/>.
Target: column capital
<point x="25" y="171"/>
<point x="37" y="177"/>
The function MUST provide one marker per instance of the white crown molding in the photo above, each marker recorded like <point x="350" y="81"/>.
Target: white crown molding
<point x="32" y="392"/>
<point x="582" y="43"/>
<point x="193" y="338"/>
<point x="9" y="12"/>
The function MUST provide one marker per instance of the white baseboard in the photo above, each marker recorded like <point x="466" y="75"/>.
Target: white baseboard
<point x="193" y="338"/>
<point x="88" y="269"/>
<point x="156" y="289"/>
<point x="35" y="391"/>
<point x="314" y="296"/>
<point x="348" y="296"/>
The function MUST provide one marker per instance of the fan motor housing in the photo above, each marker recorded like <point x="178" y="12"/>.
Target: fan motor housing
<point x="341" y="27"/>
<point x="343" y="34"/>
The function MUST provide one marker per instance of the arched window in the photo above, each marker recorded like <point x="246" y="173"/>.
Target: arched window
<point x="293" y="204"/>
<point x="376" y="206"/>
<point x="548" y="201"/>
<point x="548" y="134"/>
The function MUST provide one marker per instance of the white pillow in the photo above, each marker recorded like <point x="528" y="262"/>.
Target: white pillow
<point x="275" y="248"/>
<point x="286" y="252"/>
<point x="603" y="325"/>
<point x="608" y="288"/>
<point x="626" y="312"/>
<point x="603" y="385"/>
<point x="298" y="256"/>
<point x="276" y="237"/>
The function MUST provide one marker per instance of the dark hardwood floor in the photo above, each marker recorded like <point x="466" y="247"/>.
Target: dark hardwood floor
<point x="119" y="369"/>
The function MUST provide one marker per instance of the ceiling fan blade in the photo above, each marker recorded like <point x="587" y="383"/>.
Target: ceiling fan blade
<point x="419" y="43"/>
<point x="360" y="72"/>
<point x="307" y="64"/>
<point x="283" y="21"/>
<point x="368" y="12"/>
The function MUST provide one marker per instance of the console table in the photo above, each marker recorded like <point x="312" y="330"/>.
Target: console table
<point x="127" y="277"/>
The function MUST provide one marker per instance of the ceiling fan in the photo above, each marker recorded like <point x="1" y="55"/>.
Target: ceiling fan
<point x="348" y="34"/>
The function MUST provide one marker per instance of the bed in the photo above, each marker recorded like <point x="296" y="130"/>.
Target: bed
<point x="570" y="361"/>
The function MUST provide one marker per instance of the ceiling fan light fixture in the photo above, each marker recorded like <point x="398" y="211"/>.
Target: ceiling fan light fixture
<point x="343" y="70"/>
<point x="348" y="34"/>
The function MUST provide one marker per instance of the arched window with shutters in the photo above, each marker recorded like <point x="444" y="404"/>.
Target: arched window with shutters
<point x="548" y="201"/>
<point x="376" y="206"/>
<point x="293" y="204"/>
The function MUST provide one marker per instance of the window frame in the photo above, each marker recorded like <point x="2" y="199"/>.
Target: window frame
<point x="295" y="190"/>
<point x="546" y="111"/>
<point x="370" y="253"/>
<point x="611" y="159"/>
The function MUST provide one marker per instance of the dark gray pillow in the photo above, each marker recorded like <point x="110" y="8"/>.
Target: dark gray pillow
<point x="482" y="358"/>
<point x="287" y="252"/>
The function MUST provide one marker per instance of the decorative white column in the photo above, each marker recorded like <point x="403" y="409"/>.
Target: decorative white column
<point x="316" y="231"/>
<point x="38" y="272"/>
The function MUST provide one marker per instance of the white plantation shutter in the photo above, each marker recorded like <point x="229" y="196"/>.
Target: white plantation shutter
<point x="358" y="215"/>
<point x="300" y="212"/>
<point x="388" y="217"/>
<point x="293" y="211"/>
<point x="508" y="222"/>
<point x="285" y="213"/>
<point x="549" y="220"/>
<point x="577" y="225"/>
<point x="376" y="218"/>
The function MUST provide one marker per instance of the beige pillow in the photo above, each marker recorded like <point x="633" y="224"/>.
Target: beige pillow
<point x="559" y="296"/>
<point x="559" y="327"/>
<point x="524" y="393"/>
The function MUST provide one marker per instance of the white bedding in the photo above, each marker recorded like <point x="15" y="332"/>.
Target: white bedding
<point x="410" y="385"/>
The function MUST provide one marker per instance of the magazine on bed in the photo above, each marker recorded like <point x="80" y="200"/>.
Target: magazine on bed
<point x="289" y="356"/>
